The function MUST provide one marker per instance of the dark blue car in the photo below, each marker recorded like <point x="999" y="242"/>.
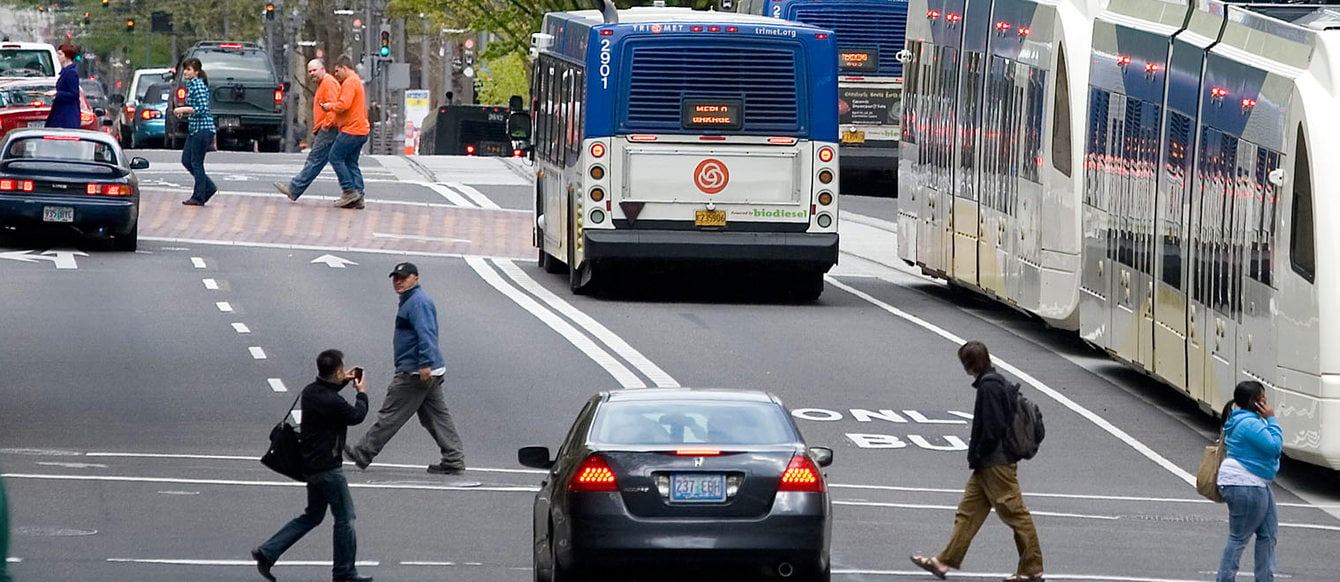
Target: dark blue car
<point x="695" y="484"/>
<point x="70" y="179"/>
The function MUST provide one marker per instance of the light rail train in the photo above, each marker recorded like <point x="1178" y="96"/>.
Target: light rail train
<point x="1148" y="173"/>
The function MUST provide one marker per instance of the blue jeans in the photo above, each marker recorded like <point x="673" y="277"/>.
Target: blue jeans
<point x="344" y="159"/>
<point x="316" y="161"/>
<point x="1251" y="510"/>
<point x="327" y="488"/>
<point x="193" y="159"/>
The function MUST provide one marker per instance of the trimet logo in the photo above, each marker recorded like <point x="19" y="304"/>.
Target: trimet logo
<point x="711" y="176"/>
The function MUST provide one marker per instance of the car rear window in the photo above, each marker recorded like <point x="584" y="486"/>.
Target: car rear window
<point x="26" y="63"/>
<point x="27" y="95"/>
<point x="706" y="422"/>
<point x="250" y="65"/>
<point x="61" y="148"/>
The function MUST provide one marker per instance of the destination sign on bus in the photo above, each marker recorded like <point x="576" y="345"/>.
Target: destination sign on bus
<point x="713" y="114"/>
<point x="858" y="60"/>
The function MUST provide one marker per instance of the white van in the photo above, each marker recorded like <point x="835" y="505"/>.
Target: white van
<point x="28" y="59"/>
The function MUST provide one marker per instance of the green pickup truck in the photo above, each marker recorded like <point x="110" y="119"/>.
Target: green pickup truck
<point x="247" y="98"/>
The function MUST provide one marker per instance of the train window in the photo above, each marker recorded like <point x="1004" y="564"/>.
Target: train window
<point x="911" y="92"/>
<point x="1096" y="150"/>
<point x="1269" y="197"/>
<point x="1061" y="118"/>
<point x="1302" y="239"/>
<point x="1176" y="160"/>
<point x="1037" y="93"/>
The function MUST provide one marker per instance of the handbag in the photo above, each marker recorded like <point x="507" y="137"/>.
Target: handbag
<point x="285" y="453"/>
<point x="1207" y="475"/>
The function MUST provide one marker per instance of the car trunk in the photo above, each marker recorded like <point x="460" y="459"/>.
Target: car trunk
<point x="687" y="485"/>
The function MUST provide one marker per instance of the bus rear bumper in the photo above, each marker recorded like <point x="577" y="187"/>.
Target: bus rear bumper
<point x="804" y="250"/>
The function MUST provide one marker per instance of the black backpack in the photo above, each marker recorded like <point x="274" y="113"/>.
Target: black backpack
<point x="1026" y="430"/>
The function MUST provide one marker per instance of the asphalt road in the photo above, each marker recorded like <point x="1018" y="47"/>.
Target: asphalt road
<point x="139" y="390"/>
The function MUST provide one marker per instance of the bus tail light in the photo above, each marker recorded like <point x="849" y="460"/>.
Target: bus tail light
<point x="597" y="150"/>
<point x="824" y="220"/>
<point x="825" y="154"/>
<point x="825" y="176"/>
<point x="597" y="194"/>
<point x="594" y="474"/>
<point x="641" y="138"/>
<point x="802" y="475"/>
<point x="782" y="140"/>
<point x="469" y="150"/>
<point x="597" y="172"/>
<point x="825" y="198"/>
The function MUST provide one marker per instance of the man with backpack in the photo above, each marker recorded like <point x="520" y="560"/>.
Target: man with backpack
<point x="993" y="456"/>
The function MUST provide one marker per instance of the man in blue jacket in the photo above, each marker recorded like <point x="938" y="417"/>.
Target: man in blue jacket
<point x="417" y="386"/>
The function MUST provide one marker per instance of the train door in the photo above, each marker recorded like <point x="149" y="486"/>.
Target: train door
<point x="1101" y="162"/>
<point x="999" y="148"/>
<point x="1131" y="212"/>
<point x="967" y="136"/>
<point x="1256" y="339"/>
<point x="1023" y="279"/>
<point x="1210" y="359"/>
<point x="913" y="214"/>
<point x="1170" y="305"/>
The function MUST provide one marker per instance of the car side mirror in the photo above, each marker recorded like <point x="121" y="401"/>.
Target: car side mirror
<point x="535" y="457"/>
<point x="98" y="111"/>
<point x="138" y="163"/>
<point x="823" y="456"/>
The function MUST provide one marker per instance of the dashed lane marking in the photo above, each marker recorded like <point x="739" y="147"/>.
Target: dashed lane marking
<point x="241" y="328"/>
<point x="224" y="482"/>
<point x="277" y="385"/>
<point x="180" y="562"/>
<point x="256" y="352"/>
<point x="224" y="307"/>
<point x="198" y="262"/>
<point x="211" y="284"/>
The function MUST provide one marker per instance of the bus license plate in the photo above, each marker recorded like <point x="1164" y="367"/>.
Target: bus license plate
<point x="57" y="214"/>
<point x="853" y="137"/>
<point x="697" y="488"/>
<point x="709" y="217"/>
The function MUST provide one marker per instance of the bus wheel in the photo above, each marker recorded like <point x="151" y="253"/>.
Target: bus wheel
<point x="547" y="261"/>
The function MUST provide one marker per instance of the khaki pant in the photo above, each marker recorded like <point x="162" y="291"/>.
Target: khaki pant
<point x="994" y="487"/>
<point x="406" y="397"/>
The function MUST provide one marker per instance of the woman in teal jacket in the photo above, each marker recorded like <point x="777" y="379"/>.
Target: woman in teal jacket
<point x="1254" y="442"/>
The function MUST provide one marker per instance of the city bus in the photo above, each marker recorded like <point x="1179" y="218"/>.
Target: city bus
<point x="687" y="137"/>
<point x="869" y="36"/>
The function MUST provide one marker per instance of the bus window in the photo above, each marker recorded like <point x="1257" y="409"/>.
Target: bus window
<point x="1302" y="239"/>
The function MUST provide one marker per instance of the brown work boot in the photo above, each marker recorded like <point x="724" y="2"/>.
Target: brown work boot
<point x="350" y="199"/>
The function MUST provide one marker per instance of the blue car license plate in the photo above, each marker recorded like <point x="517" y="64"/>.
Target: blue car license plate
<point x="57" y="214"/>
<point x="697" y="487"/>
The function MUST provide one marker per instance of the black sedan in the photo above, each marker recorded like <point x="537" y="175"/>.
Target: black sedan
<point x="655" y="482"/>
<point x="70" y="179"/>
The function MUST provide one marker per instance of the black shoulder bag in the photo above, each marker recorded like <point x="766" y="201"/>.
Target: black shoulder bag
<point x="285" y="454"/>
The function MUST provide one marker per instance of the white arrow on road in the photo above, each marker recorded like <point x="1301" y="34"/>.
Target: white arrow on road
<point x="333" y="261"/>
<point x="61" y="259"/>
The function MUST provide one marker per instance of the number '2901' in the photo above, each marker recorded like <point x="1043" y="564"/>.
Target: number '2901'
<point x="605" y="57"/>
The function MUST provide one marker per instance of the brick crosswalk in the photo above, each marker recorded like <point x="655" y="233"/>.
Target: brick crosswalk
<point x="312" y="221"/>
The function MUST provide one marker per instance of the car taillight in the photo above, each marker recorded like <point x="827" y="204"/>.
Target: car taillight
<point x="130" y="111"/>
<point x="802" y="475"/>
<point x="181" y="93"/>
<point x="108" y="189"/>
<point x="593" y="475"/>
<point x="12" y="185"/>
<point x="150" y="114"/>
<point x="86" y="118"/>
<point x="279" y="96"/>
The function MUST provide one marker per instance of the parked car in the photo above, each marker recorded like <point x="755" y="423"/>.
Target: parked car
<point x="70" y="178"/>
<point x="148" y="127"/>
<point x="247" y="99"/>
<point x="662" y="480"/>
<point x="27" y="102"/>
<point x="28" y="59"/>
<point x="139" y="83"/>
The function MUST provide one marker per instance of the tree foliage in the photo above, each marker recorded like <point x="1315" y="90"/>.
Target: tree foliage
<point x="502" y="77"/>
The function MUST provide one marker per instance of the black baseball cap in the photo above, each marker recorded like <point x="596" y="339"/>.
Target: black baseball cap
<point x="404" y="270"/>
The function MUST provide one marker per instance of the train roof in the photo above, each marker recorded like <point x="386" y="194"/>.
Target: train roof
<point x="647" y="15"/>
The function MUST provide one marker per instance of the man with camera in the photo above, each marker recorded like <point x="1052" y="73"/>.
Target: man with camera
<point x="326" y="417"/>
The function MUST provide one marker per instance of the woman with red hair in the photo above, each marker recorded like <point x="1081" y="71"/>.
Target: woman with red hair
<point x="65" y="107"/>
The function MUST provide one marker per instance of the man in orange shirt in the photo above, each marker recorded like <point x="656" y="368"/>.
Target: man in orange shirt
<point x="323" y="128"/>
<point x="351" y="117"/>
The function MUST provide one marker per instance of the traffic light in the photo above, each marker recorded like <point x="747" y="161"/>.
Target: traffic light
<point x="87" y="19"/>
<point x="105" y="3"/>
<point x="130" y="25"/>
<point x="385" y="51"/>
<point x="270" y="11"/>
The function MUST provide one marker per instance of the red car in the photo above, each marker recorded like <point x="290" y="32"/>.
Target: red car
<point x="26" y="103"/>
